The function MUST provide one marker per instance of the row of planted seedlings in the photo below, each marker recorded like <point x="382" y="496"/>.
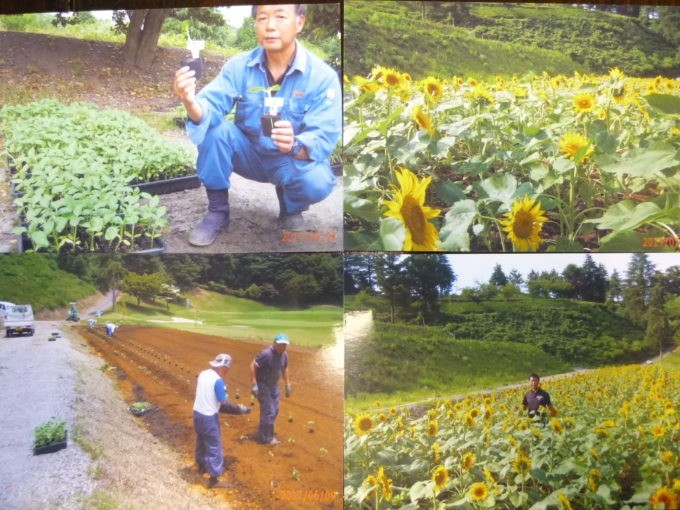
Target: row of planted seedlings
<point x="75" y="169"/>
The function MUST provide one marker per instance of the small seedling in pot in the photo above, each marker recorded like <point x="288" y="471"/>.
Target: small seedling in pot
<point x="273" y="104"/>
<point x="290" y="418"/>
<point x="295" y="474"/>
<point x="311" y="424"/>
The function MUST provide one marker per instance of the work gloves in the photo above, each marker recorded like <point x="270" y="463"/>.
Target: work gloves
<point x="255" y="390"/>
<point x="288" y="390"/>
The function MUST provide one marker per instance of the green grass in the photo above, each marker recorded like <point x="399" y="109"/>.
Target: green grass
<point x="34" y="279"/>
<point x="241" y="319"/>
<point x="401" y="363"/>
<point x="672" y="361"/>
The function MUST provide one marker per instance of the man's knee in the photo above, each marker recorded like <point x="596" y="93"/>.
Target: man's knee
<point x="317" y="184"/>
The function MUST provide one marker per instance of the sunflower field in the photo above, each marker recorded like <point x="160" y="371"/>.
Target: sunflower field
<point x="612" y="443"/>
<point x="541" y="163"/>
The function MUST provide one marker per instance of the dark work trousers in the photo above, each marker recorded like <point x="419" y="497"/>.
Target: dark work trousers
<point x="208" y="443"/>
<point x="269" y="410"/>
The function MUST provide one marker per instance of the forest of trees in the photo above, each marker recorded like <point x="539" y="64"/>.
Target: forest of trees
<point x="414" y="289"/>
<point x="294" y="280"/>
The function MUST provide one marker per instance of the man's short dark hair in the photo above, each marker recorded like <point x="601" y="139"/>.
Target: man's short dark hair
<point x="300" y="9"/>
<point x="534" y="376"/>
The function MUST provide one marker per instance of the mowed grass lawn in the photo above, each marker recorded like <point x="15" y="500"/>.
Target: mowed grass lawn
<point x="238" y="318"/>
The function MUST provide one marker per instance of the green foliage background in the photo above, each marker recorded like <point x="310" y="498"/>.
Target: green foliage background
<point x="37" y="280"/>
<point x="502" y="39"/>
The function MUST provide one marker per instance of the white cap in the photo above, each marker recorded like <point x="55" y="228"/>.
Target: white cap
<point x="222" y="360"/>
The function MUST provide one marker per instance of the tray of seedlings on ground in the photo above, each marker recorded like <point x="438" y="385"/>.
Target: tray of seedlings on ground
<point x="50" y="437"/>
<point x="77" y="172"/>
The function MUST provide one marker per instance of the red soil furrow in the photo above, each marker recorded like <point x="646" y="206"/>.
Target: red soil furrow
<point x="160" y="365"/>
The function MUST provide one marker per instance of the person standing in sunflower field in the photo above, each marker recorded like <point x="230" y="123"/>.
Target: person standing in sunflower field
<point x="537" y="398"/>
<point x="279" y="77"/>
<point x="266" y="369"/>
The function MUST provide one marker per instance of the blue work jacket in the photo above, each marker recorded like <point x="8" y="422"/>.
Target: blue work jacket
<point x="312" y="102"/>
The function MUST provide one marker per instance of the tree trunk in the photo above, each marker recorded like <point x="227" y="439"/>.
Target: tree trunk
<point x="142" y="36"/>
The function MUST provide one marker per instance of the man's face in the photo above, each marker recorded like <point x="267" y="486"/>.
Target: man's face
<point x="280" y="348"/>
<point x="277" y="26"/>
<point x="533" y="383"/>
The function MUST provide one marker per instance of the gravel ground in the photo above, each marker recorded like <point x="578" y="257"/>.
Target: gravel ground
<point x="112" y="459"/>
<point x="38" y="378"/>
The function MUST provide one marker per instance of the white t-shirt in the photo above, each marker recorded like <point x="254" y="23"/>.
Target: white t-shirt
<point x="206" y="401"/>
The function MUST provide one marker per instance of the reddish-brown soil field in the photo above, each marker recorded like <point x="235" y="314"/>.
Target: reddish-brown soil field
<point x="160" y="366"/>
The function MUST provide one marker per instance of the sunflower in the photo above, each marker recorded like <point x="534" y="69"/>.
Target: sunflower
<point x="436" y="452"/>
<point x="382" y="417"/>
<point x="393" y="411"/>
<point x="564" y="501"/>
<point x="392" y="78"/>
<point x="433" y="88"/>
<point x="423" y="120"/>
<point x="363" y="424"/>
<point x="666" y="497"/>
<point x="479" y="491"/>
<point x="658" y="431"/>
<point x="522" y="464"/>
<point x="469" y="420"/>
<point x="480" y="96"/>
<point x="432" y="428"/>
<point x="440" y="477"/>
<point x="468" y="461"/>
<point x="408" y="206"/>
<point x="616" y="74"/>
<point x="584" y="103"/>
<point x="520" y="92"/>
<point x="667" y="457"/>
<point x="571" y="143"/>
<point x="557" y="425"/>
<point x="371" y="481"/>
<point x="385" y="484"/>
<point x="523" y="224"/>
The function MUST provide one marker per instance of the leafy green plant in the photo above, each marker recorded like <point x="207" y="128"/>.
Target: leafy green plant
<point x="141" y="406"/>
<point x="74" y="170"/>
<point x="51" y="431"/>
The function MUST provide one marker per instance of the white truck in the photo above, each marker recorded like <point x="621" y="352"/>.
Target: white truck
<point x="19" y="320"/>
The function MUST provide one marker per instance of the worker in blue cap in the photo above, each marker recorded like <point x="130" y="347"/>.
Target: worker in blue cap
<point x="265" y="371"/>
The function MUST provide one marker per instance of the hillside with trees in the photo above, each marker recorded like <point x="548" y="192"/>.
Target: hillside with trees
<point x="51" y="281"/>
<point x="484" y="40"/>
<point x="582" y="316"/>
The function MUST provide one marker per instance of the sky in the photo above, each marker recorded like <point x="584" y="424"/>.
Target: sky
<point x="471" y="269"/>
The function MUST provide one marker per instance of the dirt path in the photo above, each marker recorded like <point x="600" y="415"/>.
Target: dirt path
<point x="160" y="366"/>
<point x="93" y="71"/>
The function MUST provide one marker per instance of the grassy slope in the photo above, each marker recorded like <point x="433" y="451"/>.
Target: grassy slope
<point x="237" y="318"/>
<point x="508" y="40"/>
<point x="400" y="363"/>
<point x="375" y="33"/>
<point x="36" y="280"/>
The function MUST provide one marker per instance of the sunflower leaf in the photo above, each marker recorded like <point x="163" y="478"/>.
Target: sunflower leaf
<point x="454" y="233"/>
<point x="392" y="233"/>
<point x="666" y="103"/>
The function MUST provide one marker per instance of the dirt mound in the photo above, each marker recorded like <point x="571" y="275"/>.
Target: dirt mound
<point x="160" y="366"/>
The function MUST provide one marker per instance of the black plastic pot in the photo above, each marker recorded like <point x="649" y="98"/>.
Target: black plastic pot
<point x="140" y="412"/>
<point x="52" y="447"/>
<point x="268" y="123"/>
<point x="195" y="64"/>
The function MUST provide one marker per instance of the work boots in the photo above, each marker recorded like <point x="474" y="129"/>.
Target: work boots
<point x="217" y="218"/>
<point x="288" y="221"/>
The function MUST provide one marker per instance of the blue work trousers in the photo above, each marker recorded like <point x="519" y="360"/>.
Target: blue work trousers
<point x="208" y="443"/>
<point x="227" y="149"/>
<point x="269" y="410"/>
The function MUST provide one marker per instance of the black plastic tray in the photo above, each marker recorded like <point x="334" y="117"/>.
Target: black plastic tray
<point x="159" y="246"/>
<point x="52" y="447"/>
<point x="169" y="185"/>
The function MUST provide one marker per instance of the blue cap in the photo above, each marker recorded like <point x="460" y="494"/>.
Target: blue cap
<point x="281" y="339"/>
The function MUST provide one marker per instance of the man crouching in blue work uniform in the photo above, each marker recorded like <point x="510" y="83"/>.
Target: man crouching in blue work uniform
<point x="265" y="371"/>
<point x="211" y="399"/>
<point x="306" y="93"/>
